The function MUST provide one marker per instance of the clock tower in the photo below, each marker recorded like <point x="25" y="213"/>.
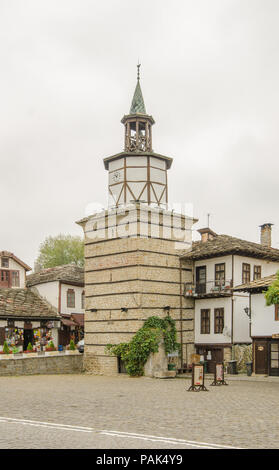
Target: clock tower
<point x="132" y="251"/>
<point x="138" y="174"/>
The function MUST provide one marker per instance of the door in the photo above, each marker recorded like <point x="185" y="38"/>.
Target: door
<point x="261" y="356"/>
<point x="201" y="280"/>
<point x="121" y="366"/>
<point x="274" y="358"/>
<point x="217" y="355"/>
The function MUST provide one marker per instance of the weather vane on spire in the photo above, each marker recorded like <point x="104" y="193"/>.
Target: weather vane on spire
<point x="138" y="66"/>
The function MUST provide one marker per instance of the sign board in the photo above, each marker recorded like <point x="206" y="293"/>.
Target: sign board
<point x="173" y="354"/>
<point x="197" y="378"/>
<point x="219" y="374"/>
<point x="198" y="375"/>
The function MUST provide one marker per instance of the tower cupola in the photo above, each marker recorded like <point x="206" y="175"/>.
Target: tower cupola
<point x="138" y="133"/>
<point x="138" y="174"/>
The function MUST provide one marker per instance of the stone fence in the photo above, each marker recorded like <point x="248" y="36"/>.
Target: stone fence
<point x="55" y="364"/>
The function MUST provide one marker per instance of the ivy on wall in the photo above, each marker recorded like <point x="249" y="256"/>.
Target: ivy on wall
<point x="146" y="341"/>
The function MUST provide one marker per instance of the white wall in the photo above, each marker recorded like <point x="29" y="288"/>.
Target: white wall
<point x="240" y="319"/>
<point x="50" y="291"/>
<point x="212" y="338"/>
<point x="262" y="317"/>
<point x="268" y="267"/>
<point x="78" y="291"/>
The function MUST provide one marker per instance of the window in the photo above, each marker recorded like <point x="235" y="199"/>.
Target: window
<point x="71" y="298"/>
<point x="201" y="279"/>
<point x="83" y="300"/>
<point x="5" y="276"/>
<point x="4" y="262"/>
<point x="245" y="273"/>
<point x="15" y="278"/>
<point x="205" y="321"/>
<point x="276" y="313"/>
<point x="257" y="272"/>
<point x="219" y="274"/>
<point x="218" y="320"/>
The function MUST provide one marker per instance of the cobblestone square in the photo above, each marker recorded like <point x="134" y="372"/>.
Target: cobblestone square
<point x="122" y="410"/>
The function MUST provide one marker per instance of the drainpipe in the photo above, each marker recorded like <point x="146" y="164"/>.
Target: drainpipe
<point x="181" y="340"/>
<point x="232" y="310"/>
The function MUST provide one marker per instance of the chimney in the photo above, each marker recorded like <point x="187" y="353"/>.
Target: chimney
<point x="266" y="234"/>
<point x="207" y="234"/>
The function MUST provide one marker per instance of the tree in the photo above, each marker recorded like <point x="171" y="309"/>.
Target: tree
<point x="59" y="250"/>
<point x="272" y="293"/>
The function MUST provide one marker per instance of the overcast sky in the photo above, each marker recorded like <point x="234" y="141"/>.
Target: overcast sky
<point x="209" y="76"/>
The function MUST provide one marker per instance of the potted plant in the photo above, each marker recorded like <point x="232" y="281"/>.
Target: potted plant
<point x="6" y="349"/>
<point x="72" y="347"/>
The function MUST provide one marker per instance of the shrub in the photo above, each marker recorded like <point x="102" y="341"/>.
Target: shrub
<point x="72" y="345"/>
<point x="135" y="353"/>
<point x="6" y="349"/>
<point x="51" y="346"/>
<point x="29" y="347"/>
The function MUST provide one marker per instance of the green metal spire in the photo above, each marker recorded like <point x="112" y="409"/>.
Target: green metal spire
<point x="137" y="106"/>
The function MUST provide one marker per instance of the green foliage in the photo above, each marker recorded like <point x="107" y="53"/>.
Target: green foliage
<point x="72" y="345"/>
<point x="59" y="250"/>
<point x="29" y="347"/>
<point x="15" y="350"/>
<point x="272" y="293"/>
<point x="6" y="349"/>
<point x="146" y="341"/>
<point x="51" y="345"/>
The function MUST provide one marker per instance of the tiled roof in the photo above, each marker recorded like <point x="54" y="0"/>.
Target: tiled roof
<point x="24" y="303"/>
<point x="258" y="284"/>
<point x="225" y="245"/>
<point x="8" y="254"/>
<point x="69" y="273"/>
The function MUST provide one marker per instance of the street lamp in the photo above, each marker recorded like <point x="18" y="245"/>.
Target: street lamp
<point x="247" y="310"/>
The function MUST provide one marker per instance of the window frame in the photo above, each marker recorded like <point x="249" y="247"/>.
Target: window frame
<point x="205" y="321"/>
<point x="257" y="267"/>
<point x="3" y="259"/>
<point x="219" y="320"/>
<point x="245" y="279"/>
<point x="71" y="298"/>
<point x="16" y="274"/>
<point x="217" y="272"/>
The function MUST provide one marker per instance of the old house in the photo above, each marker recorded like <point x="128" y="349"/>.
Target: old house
<point x="221" y="262"/>
<point x="12" y="271"/>
<point x="264" y="324"/>
<point x="63" y="288"/>
<point x="24" y="316"/>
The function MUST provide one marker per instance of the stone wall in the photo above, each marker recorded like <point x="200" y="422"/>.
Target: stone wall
<point x="141" y="275"/>
<point x="66" y="364"/>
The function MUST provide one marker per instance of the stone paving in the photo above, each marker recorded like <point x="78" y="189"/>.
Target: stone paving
<point x="243" y="414"/>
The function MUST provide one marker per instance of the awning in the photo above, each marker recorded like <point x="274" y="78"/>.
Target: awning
<point x="78" y="318"/>
<point x="68" y="322"/>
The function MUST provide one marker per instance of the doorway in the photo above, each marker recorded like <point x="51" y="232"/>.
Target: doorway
<point x="274" y="358"/>
<point x="28" y="337"/>
<point x="261" y="355"/>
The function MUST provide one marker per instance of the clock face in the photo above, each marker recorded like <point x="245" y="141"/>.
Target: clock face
<point x="116" y="176"/>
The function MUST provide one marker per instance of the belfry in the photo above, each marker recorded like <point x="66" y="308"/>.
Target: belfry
<point x="138" y="173"/>
<point x="132" y="248"/>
